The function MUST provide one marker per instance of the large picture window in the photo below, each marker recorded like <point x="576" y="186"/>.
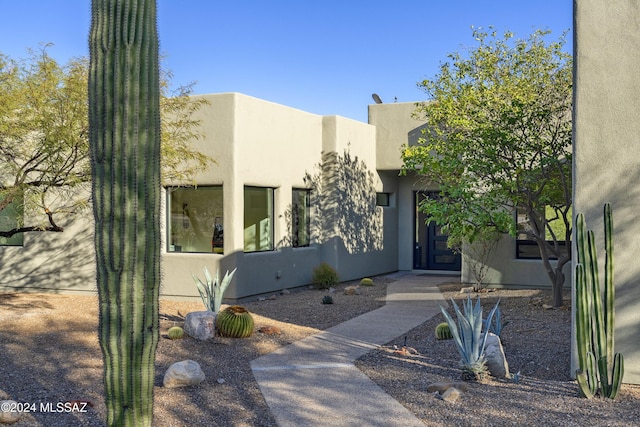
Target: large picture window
<point x="258" y="219"/>
<point x="300" y="218"/>
<point x="10" y="218"/>
<point x="195" y="219"/>
<point x="527" y="248"/>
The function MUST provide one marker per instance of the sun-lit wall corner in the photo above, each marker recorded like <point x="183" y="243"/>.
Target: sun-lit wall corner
<point x="607" y="153"/>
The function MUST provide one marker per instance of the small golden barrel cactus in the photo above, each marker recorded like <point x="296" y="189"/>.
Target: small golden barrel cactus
<point x="443" y="332"/>
<point x="234" y="322"/>
<point x="175" y="333"/>
<point x="366" y="282"/>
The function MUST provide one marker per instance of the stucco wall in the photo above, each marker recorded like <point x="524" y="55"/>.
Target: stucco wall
<point x="395" y="126"/>
<point x="254" y="143"/>
<point x="50" y="261"/>
<point x="607" y="148"/>
<point x="506" y="270"/>
<point x="271" y="145"/>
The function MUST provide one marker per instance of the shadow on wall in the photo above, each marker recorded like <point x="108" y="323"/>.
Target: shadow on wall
<point x="343" y="202"/>
<point x="623" y="193"/>
<point x="56" y="264"/>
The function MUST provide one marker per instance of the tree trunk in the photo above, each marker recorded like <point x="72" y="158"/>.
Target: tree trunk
<point x="124" y="119"/>
<point x="557" y="288"/>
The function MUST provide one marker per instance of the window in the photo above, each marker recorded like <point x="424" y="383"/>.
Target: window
<point x="10" y="218"/>
<point x="527" y="248"/>
<point x="300" y="218"/>
<point x="195" y="219"/>
<point x="382" y="199"/>
<point x="258" y="219"/>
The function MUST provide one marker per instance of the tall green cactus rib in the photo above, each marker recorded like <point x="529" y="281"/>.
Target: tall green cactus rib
<point x="124" y="119"/>
<point x="595" y="319"/>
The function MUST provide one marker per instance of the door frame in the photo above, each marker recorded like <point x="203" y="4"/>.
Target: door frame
<point x="425" y="242"/>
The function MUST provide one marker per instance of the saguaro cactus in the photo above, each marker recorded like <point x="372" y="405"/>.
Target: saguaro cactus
<point x="124" y="121"/>
<point x="595" y="317"/>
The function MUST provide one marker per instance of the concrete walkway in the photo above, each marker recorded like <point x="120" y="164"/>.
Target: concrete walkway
<point x="313" y="382"/>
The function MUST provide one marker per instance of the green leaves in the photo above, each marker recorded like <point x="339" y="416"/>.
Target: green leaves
<point x="44" y="137"/>
<point x="498" y="136"/>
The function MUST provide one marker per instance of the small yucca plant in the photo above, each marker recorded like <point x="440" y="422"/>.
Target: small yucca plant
<point x="324" y="276"/>
<point x="327" y="299"/>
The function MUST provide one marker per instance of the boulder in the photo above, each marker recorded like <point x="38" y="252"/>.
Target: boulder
<point x="441" y="387"/>
<point x="7" y="416"/>
<point x="451" y="395"/>
<point x="270" y="330"/>
<point x="200" y="325"/>
<point x="495" y="358"/>
<point x="183" y="374"/>
<point x="353" y="290"/>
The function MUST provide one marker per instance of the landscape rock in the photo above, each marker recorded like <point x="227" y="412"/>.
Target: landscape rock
<point x="467" y="289"/>
<point x="200" y="325"/>
<point x="495" y="358"/>
<point x="183" y="374"/>
<point x="451" y="395"/>
<point x="441" y="387"/>
<point x="353" y="290"/>
<point x="270" y="330"/>
<point x="7" y="417"/>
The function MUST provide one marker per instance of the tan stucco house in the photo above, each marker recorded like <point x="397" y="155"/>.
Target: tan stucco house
<point x="289" y="190"/>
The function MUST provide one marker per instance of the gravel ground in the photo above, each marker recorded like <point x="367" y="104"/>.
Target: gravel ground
<point x="536" y="342"/>
<point x="49" y="354"/>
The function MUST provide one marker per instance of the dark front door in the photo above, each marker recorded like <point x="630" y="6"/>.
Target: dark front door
<point x="430" y="249"/>
<point x="439" y="256"/>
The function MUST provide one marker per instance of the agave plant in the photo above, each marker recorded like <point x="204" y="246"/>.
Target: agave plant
<point x="469" y="336"/>
<point x="211" y="291"/>
<point x="498" y="323"/>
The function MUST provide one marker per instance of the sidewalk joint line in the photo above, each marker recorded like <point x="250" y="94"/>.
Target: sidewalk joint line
<point x="313" y="366"/>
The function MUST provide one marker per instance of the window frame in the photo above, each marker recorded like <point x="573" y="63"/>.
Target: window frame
<point x="295" y="224"/>
<point x="12" y="214"/>
<point x="216" y="220"/>
<point x="270" y="191"/>
<point x="380" y="196"/>
<point x="522" y="244"/>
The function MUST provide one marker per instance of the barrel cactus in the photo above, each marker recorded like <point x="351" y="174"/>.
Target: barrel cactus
<point x="327" y="299"/>
<point x="443" y="332"/>
<point x="234" y="322"/>
<point x="175" y="333"/>
<point x="366" y="282"/>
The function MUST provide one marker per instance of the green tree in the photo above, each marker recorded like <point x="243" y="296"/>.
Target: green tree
<point x="44" y="157"/>
<point x="124" y="135"/>
<point x="497" y="138"/>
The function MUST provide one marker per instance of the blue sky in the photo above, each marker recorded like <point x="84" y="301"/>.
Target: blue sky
<point x="325" y="57"/>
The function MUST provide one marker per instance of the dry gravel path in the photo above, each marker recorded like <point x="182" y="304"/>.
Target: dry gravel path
<point x="49" y="353"/>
